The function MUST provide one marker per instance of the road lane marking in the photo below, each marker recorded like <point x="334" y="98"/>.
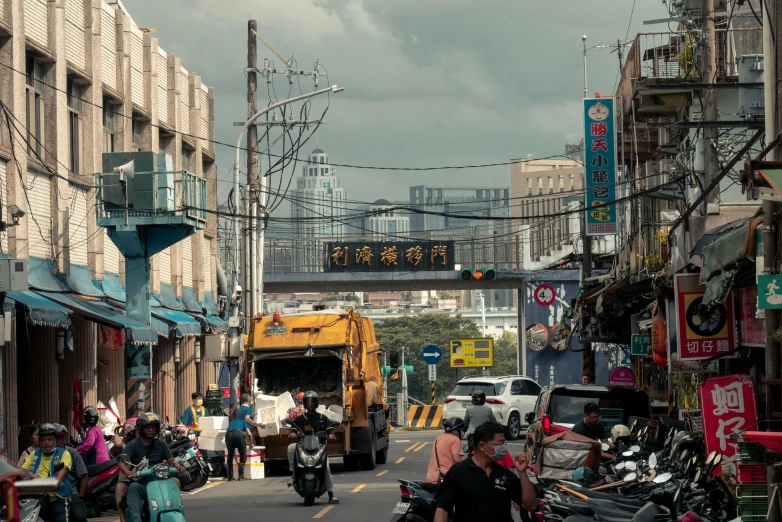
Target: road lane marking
<point x="210" y="485"/>
<point x="400" y="459"/>
<point x="412" y="448"/>
<point x="359" y="488"/>
<point x="400" y="441"/>
<point x="419" y="448"/>
<point x="382" y="473"/>
<point x="324" y="511"/>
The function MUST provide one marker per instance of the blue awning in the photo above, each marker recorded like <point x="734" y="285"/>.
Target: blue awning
<point x="41" y="311"/>
<point x="41" y="276"/>
<point x="184" y="324"/>
<point x="161" y="327"/>
<point x="190" y="301"/>
<point x="168" y="298"/>
<point x="113" y="288"/>
<point x="80" y="281"/>
<point x="210" y="303"/>
<point x="97" y="312"/>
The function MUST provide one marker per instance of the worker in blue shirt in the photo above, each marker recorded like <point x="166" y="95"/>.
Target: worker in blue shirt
<point x="239" y="436"/>
<point x="193" y="413"/>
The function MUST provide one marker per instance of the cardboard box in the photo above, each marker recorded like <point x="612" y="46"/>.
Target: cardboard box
<point x="253" y="468"/>
<point x="213" y="423"/>
<point x="212" y="440"/>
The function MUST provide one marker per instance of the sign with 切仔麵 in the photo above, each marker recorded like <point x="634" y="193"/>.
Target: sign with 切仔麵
<point x="701" y="333"/>
<point x="472" y="353"/>
<point x="600" y="166"/>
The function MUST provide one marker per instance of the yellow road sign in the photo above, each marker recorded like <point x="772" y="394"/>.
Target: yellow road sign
<point x="472" y="353"/>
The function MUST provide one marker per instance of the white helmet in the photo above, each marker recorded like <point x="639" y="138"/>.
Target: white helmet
<point x="619" y="431"/>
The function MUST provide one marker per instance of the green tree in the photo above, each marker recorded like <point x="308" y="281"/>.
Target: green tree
<point x="416" y="332"/>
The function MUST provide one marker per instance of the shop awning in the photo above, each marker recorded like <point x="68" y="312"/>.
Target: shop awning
<point x="41" y="276"/>
<point x="113" y="288"/>
<point x="41" y="311"/>
<point x="184" y="324"/>
<point x="80" y="281"/>
<point x="212" y="324"/>
<point x="161" y="327"/>
<point x="721" y="259"/>
<point x="190" y="301"/>
<point x="104" y="314"/>
<point x="168" y="298"/>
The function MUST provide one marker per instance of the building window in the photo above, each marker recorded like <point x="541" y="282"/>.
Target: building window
<point x="186" y="159"/>
<point x="74" y="126"/>
<point x="138" y="129"/>
<point x="108" y="126"/>
<point x="35" y="107"/>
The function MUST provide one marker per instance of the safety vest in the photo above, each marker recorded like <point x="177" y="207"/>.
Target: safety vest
<point x="195" y="417"/>
<point x="64" y="490"/>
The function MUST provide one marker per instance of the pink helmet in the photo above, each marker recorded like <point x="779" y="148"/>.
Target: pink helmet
<point x="129" y="426"/>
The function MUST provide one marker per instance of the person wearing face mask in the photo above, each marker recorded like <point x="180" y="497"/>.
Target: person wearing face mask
<point x="479" y="489"/>
<point x="193" y="413"/>
<point x="50" y="461"/>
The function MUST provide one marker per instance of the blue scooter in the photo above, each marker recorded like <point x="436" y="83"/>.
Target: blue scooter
<point x="163" y="501"/>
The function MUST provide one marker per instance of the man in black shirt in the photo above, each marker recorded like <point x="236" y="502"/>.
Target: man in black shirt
<point x="479" y="489"/>
<point x="592" y="428"/>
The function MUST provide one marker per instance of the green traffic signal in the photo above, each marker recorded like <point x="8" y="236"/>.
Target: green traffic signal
<point x="408" y="369"/>
<point x="385" y="371"/>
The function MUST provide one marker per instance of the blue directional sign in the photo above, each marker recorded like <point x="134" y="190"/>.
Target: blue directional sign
<point x="432" y="354"/>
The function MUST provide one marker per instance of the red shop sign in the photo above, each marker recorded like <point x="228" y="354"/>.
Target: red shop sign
<point x="701" y="336"/>
<point x="752" y="329"/>
<point x="728" y="405"/>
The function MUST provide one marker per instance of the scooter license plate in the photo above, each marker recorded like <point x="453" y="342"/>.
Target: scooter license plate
<point x="401" y="508"/>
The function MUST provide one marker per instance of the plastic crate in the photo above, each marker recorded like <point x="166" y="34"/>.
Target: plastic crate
<point x="610" y="417"/>
<point x="752" y="493"/>
<point x="752" y="474"/>
<point x="753" y="509"/>
<point x="745" y="455"/>
<point x="771" y="440"/>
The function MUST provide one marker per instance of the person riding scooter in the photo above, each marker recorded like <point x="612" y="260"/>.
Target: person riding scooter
<point x="129" y="432"/>
<point x="93" y="450"/>
<point x="309" y="423"/>
<point x="50" y="461"/>
<point x="146" y="446"/>
<point x="78" y="475"/>
<point x="477" y="414"/>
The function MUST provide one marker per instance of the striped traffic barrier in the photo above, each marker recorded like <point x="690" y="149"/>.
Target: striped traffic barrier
<point x="425" y="416"/>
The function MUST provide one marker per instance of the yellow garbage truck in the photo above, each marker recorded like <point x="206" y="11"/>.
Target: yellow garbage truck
<point x="331" y="352"/>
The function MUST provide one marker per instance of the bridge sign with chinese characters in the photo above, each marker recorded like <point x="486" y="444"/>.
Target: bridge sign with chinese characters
<point x="389" y="256"/>
<point x="728" y="405"/>
<point x="600" y="165"/>
<point x="702" y="334"/>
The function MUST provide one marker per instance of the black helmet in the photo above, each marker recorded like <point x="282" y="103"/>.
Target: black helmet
<point x="310" y="399"/>
<point x="91" y="416"/>
<point x="478" y="398"/>
<point x="47" y="429"/>
<point x="148" y="419"/>
<point x="61" y="430"/>
<point x="453" y="423"/>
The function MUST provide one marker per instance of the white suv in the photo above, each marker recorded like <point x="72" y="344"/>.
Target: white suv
<point x="510" y="397"/>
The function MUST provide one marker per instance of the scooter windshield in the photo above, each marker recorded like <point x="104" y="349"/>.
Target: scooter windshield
<point x="311" y="443"/>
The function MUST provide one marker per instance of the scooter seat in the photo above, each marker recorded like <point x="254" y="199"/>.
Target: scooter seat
<point x="97" y="469"/>
<point x="428" y="486"/>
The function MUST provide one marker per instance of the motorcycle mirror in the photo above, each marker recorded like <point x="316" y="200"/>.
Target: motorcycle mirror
<point x="605" y="447"/>
<point x="684" y="455"/>
<point x="710" y="458"/>
<point x="635" y="449"/>
<point x="697" y="477"/>
<point x="632" y="466"/>
<point x="653" y="460"/>
<point x="662" y="478"/>
<point x="620" y="466"/>
<point x="627" y="453"/>
<point x="630" y="477"/>
<point x="717" y="460"/>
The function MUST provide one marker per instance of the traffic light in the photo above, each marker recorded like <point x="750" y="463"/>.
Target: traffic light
<point x="394" y="359"/>
<point x="395" y="376"/>
<point x="477" y="274"/>
<point x="385" y="371"/>
<point x="408" y="369"/>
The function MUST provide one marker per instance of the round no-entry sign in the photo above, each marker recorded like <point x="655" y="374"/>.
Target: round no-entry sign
<point x="545" y="295"/>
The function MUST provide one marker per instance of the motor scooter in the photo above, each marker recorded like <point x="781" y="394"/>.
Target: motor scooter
<point x="310" y="459"/>
<point x="195" y="465"/>
<point x="417" y="503"/>
<point x="163" y="502"/>
<point x="101" y="483"/>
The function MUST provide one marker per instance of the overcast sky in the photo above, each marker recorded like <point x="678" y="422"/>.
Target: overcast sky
<point x="428" y="82"/>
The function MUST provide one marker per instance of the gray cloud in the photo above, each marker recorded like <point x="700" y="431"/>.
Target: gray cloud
<point x="428" y="82"/>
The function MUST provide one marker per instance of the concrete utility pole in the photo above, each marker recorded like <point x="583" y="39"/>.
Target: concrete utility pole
<point x="403" y="408"/>
<point x="711" y="164"/>
<point x="584" y="42"/>
<point x="587" y="362"/>
<point x="250" y="238"/>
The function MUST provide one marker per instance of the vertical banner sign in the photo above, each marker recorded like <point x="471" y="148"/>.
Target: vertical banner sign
<point x="752" y="329"/>
<point x="702" y="334"/>
<point x="728" y="405"/>
<point x="600" y="166"/>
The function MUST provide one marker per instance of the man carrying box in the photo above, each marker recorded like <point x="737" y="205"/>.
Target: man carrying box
<point x="239" y="436"/>
<point x="193" y="413"/>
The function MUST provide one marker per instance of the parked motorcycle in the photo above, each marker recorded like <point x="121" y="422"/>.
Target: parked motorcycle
<point x="194" y="464"/>
<point x="101" y="483"/>
<point x="310" y="460"/>
<point x="29" y="493"/>
<point x="417" y="503"/>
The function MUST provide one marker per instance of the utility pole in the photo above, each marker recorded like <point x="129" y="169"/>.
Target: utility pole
<point x="587" y="363"/>
<point x="584" y="42"/>
<point x="403" y="408"/>
<point x="251" y="268"/>
<point x="709" y="144"/>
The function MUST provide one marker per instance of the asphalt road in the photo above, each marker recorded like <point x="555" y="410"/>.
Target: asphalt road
<point x="364" y="495"/>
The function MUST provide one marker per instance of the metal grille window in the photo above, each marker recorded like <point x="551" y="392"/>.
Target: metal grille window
<point x="186" y="157"/>
<point x="35" y="107"/>
<point x="108" y="125"/>
<point x="138" y="129"/>
<point x="74" y="126"/>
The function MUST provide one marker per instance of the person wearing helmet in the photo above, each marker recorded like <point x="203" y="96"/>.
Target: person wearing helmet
<point x="238" y="436"/>
<point x="128" y="434"/>
<point x="446" y="451"/>
<point x="147" y="446"/>
<point x="193" y="413"/>
<point x="50" y="461"/>
<point x="78" y="476"/>
<point x="93" y="450"/>
<point x="311" y="422"/>
<point x="619" y="431"/>
<point x="477" y="414"/>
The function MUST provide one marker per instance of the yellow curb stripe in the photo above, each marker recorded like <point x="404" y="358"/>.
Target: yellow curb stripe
<point x="359" y="488"/>
<point x="382" y="473"/>
<point x="400" y="459"/>
<point x="324" y="511"/>
<point x="419" y="448"/>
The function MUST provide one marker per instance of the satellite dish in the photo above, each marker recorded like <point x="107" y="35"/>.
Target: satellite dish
<point x="128" y="170"/>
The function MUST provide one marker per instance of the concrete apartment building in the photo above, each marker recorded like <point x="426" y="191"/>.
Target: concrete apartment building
<point x="382" y="219"/>
<point x="80" y="78"/>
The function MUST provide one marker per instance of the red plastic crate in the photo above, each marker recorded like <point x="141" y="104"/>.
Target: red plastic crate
<point x="752" y="474"/>
<point x="770" y="439"/>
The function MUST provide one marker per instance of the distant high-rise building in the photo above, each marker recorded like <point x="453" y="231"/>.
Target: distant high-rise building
<point x="383" y="219"/>
<point x="318" y="203"/>
<point x="470" y="201"/>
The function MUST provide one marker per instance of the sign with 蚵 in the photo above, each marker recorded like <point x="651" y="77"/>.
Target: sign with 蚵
<point x="640" y="344"/>
<point x="728" y="406"/>
<point x="472" y="353"/>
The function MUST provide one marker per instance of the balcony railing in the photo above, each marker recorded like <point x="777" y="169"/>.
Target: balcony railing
<point x="677" y="55"/>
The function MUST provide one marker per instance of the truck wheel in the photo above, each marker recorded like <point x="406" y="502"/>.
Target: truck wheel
<point x="368" y="460"/>
<point x="309" y="492"/>
<point x="382" y="455"/>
